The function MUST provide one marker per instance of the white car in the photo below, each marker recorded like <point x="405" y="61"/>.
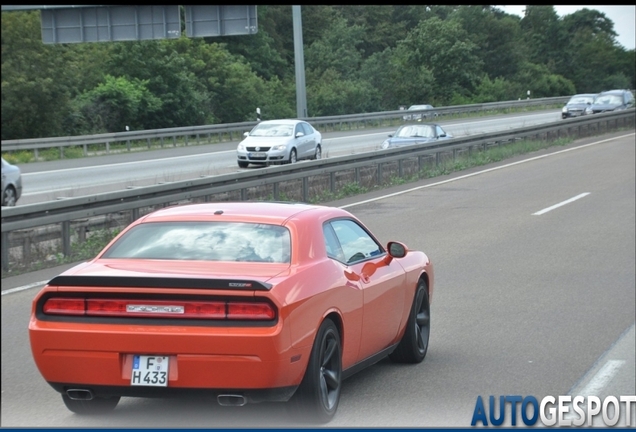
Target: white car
<point x="420" y="112"/>
<point x="279" y="142"/>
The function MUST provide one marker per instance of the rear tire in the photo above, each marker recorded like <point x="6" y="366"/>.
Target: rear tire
<point x="316" y="399"/>
<point x="318" y="154"/>
<point x="414" y="344"/>
<point x="97" y="405"/>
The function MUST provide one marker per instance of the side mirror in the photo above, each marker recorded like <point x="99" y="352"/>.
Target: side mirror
<point x="396" y="249"/>
<point x="246" y="134"/>
<point x="299" y="134"/>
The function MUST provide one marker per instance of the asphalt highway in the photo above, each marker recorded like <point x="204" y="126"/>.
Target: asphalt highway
<point x="535" y="296"/>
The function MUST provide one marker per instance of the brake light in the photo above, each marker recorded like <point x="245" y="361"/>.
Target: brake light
<point x="156" y="308"/>
<point x="216" y="310"/>
<point x="64" y="306"/>
<point x="250" y="311"/>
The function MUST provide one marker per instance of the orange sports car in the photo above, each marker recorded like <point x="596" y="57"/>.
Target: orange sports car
<point x="245" y="302"/>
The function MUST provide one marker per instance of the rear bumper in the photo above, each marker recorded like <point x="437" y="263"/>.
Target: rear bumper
<point x="280" y="394"/>
<point x="206" y="359"/>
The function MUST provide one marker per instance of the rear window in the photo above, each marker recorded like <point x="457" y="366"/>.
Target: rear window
<point x="204" y="241"/>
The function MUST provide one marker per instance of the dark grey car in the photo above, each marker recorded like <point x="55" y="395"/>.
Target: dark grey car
<point x="612" y="100"/>
<point x="577" y="104"/>
<point x="11" y="184"/>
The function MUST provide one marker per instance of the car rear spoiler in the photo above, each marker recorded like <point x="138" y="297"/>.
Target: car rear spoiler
<point x="159" y="282"/>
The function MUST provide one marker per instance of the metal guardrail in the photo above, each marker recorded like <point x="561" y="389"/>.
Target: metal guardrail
<point x="272" y="182"/>
<point x="171" y="136"/>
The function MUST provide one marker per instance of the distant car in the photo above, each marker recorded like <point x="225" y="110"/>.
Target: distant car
<point x="244" y="302"/>
<point x="577" y="104"/>
<point x="416" y="134"/>
<point x="612" y="100"/>
<point x="11" y="184"/>
<point x="424" y="112"/>
<point x="278" y="142"/>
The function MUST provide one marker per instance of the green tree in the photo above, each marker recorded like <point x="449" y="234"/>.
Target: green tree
<point x="115" y="104"/>
<point x="445" y="49"/>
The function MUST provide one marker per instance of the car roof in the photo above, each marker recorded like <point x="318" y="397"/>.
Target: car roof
<point x="420" y="106"/>
<point x="246" y="211"/>
<point x="585" y="94"/>
<point x="613" y="92"/>
<point x="282" y="121"/>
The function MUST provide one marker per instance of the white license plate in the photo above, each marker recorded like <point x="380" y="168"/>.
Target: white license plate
<point x="258" y="155"/>
<point x="150" y="371"/>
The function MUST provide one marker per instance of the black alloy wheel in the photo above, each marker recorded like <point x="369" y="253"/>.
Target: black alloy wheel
<point x="316" y="399"/>
<point x="414" y="344"/>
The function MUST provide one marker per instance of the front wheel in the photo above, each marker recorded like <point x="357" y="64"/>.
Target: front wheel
<point x="97" y="405"/>
<point x="9" y="197"/>
<point x="242" y="164"/>
<point x="414" y="344"/>
<point x="316" y="399"/>
<point x="293" y="157"/>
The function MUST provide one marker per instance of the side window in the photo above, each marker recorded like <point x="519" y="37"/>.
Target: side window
<point x="356" y="243"/>
<point x="307" y="128"/>
<point x="299" y="128"/>
<point x="439" y="131"/>
<point x="332" y="244"/>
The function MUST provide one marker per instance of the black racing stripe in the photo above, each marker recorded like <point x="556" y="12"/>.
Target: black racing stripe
<point x="160" y="282"/>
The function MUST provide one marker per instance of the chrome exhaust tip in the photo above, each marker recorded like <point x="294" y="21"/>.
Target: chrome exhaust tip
<point x="79" y="394"/>
<point x="231" y="400"/>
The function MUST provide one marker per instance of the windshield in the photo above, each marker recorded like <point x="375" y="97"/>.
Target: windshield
<point x="204" y="241"/>
<point x="419" y="107"/>
<point x="609" y="100"/>
<point x="424" y="131"/>
<point x="581" y="100"/>
<point x="272" y="129"/>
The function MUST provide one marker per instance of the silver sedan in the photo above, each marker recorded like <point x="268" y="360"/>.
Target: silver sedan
<point x="11" y="184"/>
<point x="279" y="142"/>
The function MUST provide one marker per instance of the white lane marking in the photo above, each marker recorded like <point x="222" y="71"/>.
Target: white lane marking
<point x="598" y="382"/>
<point x="562" y="203"/>
<point x="602" y="378"/>
<point x="24" y="287"/>
<point x="415" y="188"/>
<point x="482" y="172"/>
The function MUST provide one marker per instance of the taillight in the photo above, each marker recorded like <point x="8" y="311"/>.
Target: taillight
<point x="154" y="308"/>
<point x="216" y="310"/>
<point x="250" y="311"/>
<point x="64" y="306"/>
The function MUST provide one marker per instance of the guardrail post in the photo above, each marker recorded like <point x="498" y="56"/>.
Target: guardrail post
<point x="135" y="214"/>
<point x="305" y="189"/>
<point x="66" y="238"/>
<point x="148" y="142"/>
<point x="400" y="168"/>
<point x="82" y="227"/>
<point x="275" y="191"/>
<point x="438" y="157"/>
<point x="85" y="150"/>
<point x="243" y="194"/>
<point x="332" y="182"/>
<point x="357" y="175"/>
<point x="5" y="251"/>
<point x="380" y="174"/>
<point x="61" y="152"/>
